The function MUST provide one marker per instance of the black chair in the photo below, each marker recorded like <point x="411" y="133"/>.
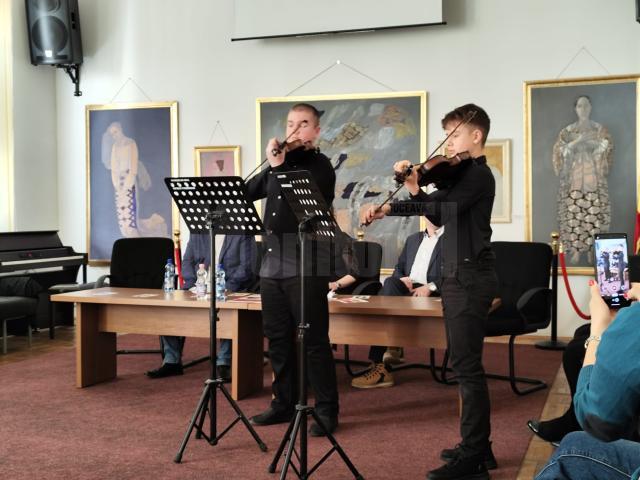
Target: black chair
<point x="524" y="272"/>
<point x="138" y="263"/>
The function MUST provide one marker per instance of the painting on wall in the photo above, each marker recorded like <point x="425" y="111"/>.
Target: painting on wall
<point x="498" y="153"/>
<point x="363" y="135"/>
<point x="131" y="148"/>
<point x="581" y="144"/>
<point x="223" y="161"/>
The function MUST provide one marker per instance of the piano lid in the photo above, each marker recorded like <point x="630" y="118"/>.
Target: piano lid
<point x="29" y="240"/>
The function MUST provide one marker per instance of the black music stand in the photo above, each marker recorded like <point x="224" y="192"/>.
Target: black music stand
<point x="316" y="222"/>
<point x="218" y="205"/>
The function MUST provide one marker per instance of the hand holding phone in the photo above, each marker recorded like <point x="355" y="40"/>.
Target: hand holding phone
<point x="612" y="268"/>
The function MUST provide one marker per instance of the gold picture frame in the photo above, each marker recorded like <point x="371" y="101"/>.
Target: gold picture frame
<point x="217" y="161"/>
<point x="130" y="149"/>
<point x="581" y="161"/>
<point x="363" y="134"/>
<point x="498" y="153"/>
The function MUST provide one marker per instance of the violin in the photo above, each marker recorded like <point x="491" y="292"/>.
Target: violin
<point x="437" y="169"/>
<point x="286" y="145"/>
<point x="292" y="146"/>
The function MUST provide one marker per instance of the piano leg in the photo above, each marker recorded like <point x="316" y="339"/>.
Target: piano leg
<point x="95" y="351"/>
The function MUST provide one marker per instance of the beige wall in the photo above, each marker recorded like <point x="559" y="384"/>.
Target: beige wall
<point x="180" y="50"/>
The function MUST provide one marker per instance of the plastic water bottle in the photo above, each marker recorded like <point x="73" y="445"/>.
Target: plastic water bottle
<point x="201" y="281"/>
<point x="169" y="276"/>
<point x="220" y="284"/>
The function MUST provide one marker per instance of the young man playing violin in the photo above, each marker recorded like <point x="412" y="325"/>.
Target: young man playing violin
<point x="469" y="281"/>
<point x="280" y="276"/>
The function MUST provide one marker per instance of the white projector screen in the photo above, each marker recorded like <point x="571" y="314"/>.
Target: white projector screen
<point x="284" y="18"/>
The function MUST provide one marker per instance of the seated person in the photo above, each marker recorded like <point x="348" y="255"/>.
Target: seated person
<point x="237" y="256"/>
<point x="417" y="273"/>
<point x="344" y="272"/>
<point x="555" y="429"/>
<point x="606" y="401"/>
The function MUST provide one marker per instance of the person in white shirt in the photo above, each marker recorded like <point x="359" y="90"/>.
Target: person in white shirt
<point x="417" y="273"/>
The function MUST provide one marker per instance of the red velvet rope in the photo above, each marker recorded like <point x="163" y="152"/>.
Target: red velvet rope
<point x="566" y="284"/>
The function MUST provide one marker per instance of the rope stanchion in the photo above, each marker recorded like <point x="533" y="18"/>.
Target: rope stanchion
<point x="553" y="343"/>
<point x="563" y="266"/>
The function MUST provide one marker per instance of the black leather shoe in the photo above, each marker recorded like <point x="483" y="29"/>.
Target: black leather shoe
<point x="166" y="370"/>
<point x="449" y="454"/>
<point x="330" y="423"/>
<point x="553" y="430"/>
<point x="271" y="417"/>
<point x="461" y="468"/>
<point x="224" y="372"/>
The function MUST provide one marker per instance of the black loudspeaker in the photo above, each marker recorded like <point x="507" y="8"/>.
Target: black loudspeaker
<point x="54" y="32"/>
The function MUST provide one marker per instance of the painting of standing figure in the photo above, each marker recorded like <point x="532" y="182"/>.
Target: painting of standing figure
<point x="581" y="139"/>
<point x="582" y="156"/>
<point x="130" y="149"/>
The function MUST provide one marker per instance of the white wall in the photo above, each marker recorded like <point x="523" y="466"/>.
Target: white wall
<point x="180" y="50"/>
<point x="34" y="134"/>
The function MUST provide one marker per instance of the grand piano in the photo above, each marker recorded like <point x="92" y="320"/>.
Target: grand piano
<point x="41" y="256"/>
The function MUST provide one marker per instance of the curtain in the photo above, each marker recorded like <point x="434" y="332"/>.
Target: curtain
<point x="6" y="133"/>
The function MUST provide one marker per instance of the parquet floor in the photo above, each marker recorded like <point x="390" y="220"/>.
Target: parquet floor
<point x="557" y="401"/>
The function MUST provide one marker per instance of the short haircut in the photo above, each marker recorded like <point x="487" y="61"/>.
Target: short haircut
<point x="480" y="120"/>
<point x="308" y="108"/>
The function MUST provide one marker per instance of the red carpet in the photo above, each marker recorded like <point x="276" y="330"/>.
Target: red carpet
<point x="132" y="427"/>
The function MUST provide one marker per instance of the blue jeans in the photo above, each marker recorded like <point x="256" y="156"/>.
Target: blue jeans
<point x="581" y="456"/>
<point x="173" y="350"/>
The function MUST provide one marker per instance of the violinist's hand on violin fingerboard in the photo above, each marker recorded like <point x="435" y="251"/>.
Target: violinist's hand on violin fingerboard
<point x="274" y="160"/>
<point x="411" y="180"/>
<point x="401" y="166"/>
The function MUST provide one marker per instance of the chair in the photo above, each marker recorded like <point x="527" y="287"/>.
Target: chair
<point x="138" y="263"/>
<point x="15" y="308"/>
<point x="524" y="271"/>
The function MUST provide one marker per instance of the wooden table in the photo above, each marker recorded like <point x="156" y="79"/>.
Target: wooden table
<point x="103" y="312"/>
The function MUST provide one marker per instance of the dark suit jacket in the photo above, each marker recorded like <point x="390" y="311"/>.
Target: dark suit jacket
<point x="408" y="256"/>
<point x="237" y="256"/>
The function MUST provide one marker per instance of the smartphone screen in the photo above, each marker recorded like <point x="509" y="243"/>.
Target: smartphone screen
<point x="612" y="267"/>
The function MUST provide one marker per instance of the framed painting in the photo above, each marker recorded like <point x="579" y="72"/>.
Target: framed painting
<point x="498" y="153"/>
<point x="131" y="148"/>
<point x="220" y="161"/>
<point x="581" y="161"/>
<point x="363" y="135"/>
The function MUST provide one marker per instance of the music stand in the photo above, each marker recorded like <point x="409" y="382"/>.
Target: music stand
<point x="315" y="222"/>
<point x="218" y="205"/>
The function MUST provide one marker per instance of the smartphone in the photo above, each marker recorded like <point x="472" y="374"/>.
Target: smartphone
<point x="612" y="267"/>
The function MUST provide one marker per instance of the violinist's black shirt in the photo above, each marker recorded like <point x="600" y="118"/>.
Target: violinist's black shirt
<point x="465" y="208"/>
<point x="282" y="252"/>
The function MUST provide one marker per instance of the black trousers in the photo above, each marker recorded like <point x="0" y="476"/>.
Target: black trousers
<point x="394" y="287"/>
<point x="280" y="317"/>
<point x="572" y="359"/>
<point x="466" y="298"/>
